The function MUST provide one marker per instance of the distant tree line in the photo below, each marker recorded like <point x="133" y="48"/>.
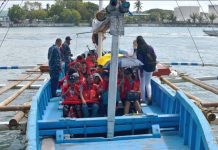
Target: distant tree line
<point x="165" y="16"/>
<point x="63" y="11"/>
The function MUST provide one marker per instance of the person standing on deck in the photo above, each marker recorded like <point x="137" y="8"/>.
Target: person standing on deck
<point x="66" y="53"/>
<point x="145" y="53"/>
<point x="54" y="62"/>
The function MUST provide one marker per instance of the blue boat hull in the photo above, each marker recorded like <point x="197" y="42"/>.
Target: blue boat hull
<point x="172" y="122"/>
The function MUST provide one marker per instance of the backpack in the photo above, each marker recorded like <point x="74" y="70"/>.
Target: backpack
<point x="148" y="58"/>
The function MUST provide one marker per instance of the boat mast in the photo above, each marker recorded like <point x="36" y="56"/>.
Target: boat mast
<point x="100" y="34"/>
<point x="116" y="29"/>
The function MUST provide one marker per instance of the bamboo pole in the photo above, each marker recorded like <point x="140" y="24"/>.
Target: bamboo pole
<point x="25" y="80"/>
<point x="12" y="84"/>
<point x="208" y="114"/>
<point x="199" y="78"/>
<point x="19" y="116"/>
<point x="13" y="96"/>
<point x="201" y="84"/>
<point x="15" y="108"/>
<point x="35" y="86"/>
<point x="4" y="126"/>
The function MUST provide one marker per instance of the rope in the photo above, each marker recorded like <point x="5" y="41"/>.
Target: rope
<point x="8" y="26"/>
<point x="213" y="7"/>
<point x="191" y="35"/>
<point x="3" y="6"/>
<point x="205" y="14"/>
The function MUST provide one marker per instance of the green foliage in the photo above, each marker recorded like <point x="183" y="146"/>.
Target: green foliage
<point x="70" y="16"/>
<point x="171" y="17"/>
<point x="138" y="6"/>
<point x="200" y="18"/>
<point x="56" y="10"/>
<point x="16" y="14"/>
<point x="194" y="17"/>
<point x="212" y="17"/>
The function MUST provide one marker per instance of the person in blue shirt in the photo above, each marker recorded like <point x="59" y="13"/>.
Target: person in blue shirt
<point x="66" y="53"/>
<point x="54" y="63"/>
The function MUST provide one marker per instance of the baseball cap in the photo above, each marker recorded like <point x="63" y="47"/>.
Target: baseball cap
<point x="68" y="38"/>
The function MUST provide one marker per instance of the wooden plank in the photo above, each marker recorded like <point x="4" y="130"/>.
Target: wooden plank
<point x="199" y="78"/>
<point x="48" y="144"/>
<point x="13" y="96"/>
<point x="12" y="84"/>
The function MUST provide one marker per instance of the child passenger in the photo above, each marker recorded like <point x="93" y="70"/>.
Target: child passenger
<point x="89" y="97"/>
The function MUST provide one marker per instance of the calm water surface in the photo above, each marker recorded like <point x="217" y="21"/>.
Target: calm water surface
<point x="29" y="46"/>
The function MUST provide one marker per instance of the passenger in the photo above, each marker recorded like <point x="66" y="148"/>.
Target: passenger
<point x="91" y="60"/>
<point x="97" y="79"/>
<point x="54" y="62"/>
<point x="66" y="53"/>
<point x="70" y="93"/>
<point x="80" y="59"/>
<point x="85" y="68"/>
<point x="145" y="53"/>
<point x="124" y="84"/>
<point x="103" y="89"/>
<point x="90" y="98"/>
<point x="100" y="70"/>
<point x="65" y="78"/>
<point x="134" y="95"/>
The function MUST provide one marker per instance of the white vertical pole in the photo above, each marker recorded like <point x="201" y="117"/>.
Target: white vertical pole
<point x="100" y="34"/>
<point x="112" y="94"/>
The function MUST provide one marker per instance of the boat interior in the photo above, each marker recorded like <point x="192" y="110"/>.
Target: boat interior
<point x="171" y="122"/>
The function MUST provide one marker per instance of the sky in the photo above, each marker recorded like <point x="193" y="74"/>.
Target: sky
<point x="147" y="4"/>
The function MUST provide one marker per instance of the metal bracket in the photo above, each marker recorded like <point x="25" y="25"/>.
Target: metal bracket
<point x="156" y="130"/>
<point x="59" y="136"/>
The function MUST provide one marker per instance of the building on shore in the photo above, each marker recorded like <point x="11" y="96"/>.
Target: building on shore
<point x="4" y="19"/>
<point x="186" y="12"/>
<point x="213" y="9"/>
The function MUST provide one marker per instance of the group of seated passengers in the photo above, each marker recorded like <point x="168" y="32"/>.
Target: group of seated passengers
<point x="85" y="91"/>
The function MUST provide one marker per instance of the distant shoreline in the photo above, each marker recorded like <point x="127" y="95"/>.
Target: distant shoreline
<point x="126" y="25"/>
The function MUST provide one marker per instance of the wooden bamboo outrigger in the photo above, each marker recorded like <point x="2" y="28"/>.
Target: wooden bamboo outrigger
<point x="199" y="78"/>
<point x="25" y="80"/>
<point x="208" y="113"/>
<point x="21" y="85"/>
<point x="12" y="97"/>
<point x="200" y="84"/>
<point x="15" y="108"/>
<point x="13" y="84"/>
<point x="19" y="116"/>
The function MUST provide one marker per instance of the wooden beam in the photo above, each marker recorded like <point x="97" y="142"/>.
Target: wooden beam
<point x="201" y="84"/>
<point x="15" y="108"/>
<point x="13" y="96"/>
<point x="12" y="84"/>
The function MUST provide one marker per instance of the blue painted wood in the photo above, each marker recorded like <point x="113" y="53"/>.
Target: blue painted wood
<point x="59" y="136"/>
<point x="156" y="130"/>
<point x="194" y="129"/>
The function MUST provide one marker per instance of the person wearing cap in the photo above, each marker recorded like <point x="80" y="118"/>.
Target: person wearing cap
<point x="70" y="93"/>
<point x="66" y="53"/>
<point x="54" y="63"/>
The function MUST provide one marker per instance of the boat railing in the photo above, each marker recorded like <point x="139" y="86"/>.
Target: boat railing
<point x="193" y="126"/>
<point x="39" y="101"/>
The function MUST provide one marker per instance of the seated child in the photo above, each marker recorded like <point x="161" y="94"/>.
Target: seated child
<point x="133" y="96"/>
<point x="70" y="94"/>
<point x="89" y="97"/>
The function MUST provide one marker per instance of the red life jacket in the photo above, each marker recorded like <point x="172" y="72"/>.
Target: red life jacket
<point x="136" y="85"/>
<point x="72" y="97"/>
<point x="91" y="95"/>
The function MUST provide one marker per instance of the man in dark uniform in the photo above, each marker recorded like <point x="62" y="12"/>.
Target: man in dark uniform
<point x="54" y="62"/>
<point x="66" y="53"/>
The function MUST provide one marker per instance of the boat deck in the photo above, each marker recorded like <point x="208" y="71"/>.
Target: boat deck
<point x="168" y="140"/>
<point x="165" y="142"/>
<point x="55" y="110"/>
